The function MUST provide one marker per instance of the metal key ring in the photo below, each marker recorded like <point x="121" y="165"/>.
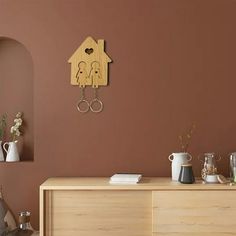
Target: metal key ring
<point x="87" y="104"/>
<point x="95" y="100"/>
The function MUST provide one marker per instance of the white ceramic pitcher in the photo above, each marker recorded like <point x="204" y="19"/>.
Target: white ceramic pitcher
<point x="12" y="151"/>
<point x="177" y="160"/>
<point x="1" y="152"/>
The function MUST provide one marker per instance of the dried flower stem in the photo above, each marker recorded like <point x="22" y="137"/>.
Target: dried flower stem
<point x="15" y="129"/>
<point x="186" y="138"/>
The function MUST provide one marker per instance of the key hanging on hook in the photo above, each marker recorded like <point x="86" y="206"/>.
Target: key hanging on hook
<point x="96" y="104"/>
<point x="83" y="103"/>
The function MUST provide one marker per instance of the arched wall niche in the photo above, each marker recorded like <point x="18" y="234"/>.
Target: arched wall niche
<point x="16" y="92"/>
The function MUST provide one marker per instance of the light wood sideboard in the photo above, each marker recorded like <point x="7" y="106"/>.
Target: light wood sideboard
<point x="154" y="207"/>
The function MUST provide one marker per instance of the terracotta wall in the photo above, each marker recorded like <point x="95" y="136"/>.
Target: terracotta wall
<point x="174" y="64"/>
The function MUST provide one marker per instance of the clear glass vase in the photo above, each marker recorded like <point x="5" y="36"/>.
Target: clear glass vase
<point x="24" y="228"/>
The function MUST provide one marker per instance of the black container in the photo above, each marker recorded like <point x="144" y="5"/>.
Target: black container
<point x="186" y="174"/>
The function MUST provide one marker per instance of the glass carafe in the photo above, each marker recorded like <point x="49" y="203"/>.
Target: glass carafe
<point x="24" y="228"/>
<point x="233" y="167"/>
<point x="209" y="166"/>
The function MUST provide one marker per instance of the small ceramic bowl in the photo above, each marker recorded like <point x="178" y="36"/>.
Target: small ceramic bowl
<point x="212" y="179"/>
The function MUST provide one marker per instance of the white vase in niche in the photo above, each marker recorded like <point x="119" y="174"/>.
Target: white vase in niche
<point x="178" y="159"/>
<point x="1" y="152"/>
<point x="12" y="151"/>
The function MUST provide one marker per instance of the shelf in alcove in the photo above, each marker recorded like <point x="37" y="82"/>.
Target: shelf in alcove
<point x="15" y="162"/>
<point x="16" y="92"/>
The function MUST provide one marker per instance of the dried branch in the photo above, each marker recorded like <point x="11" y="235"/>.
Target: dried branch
<point x="186" y="138"/>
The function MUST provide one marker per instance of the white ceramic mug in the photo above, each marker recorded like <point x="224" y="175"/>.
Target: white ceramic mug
<point x="177" y="160"/>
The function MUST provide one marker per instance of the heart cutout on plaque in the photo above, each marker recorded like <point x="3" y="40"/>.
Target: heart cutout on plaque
<point x="89" y="51"/>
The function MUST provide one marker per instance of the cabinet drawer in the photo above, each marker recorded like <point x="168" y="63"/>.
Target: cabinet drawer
<point x="194" y="213"/>
<point x="98" y="213"/>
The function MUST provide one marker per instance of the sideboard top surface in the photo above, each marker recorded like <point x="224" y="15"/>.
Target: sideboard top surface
<point x="147" y="183"/>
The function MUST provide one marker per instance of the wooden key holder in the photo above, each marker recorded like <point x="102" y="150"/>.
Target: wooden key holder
<point x="89" y="67"/>
<point x="89" y="64"/>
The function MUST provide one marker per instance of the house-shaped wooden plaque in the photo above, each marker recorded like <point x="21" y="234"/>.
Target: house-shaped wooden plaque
<point x="89" y="64"/>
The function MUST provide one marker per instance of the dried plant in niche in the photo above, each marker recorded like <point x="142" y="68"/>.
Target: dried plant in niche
<point x="15" y="129"/>
<point x="186" y="138"/>
<point x="3" y="124"/>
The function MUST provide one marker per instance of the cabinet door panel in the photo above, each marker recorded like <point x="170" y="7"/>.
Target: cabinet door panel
<point x="100" y="213"/>
<point x="194" y="213"/>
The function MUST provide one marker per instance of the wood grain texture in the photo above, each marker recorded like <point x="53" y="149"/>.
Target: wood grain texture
<point x="188" y="213"/>
<point x="193" y="234"/>
<point x="156" y="206"/>
<point x="149" y="183"/>
<point x="99" y="213"/>
<point x="41" y="212"/>
<point x="89" y="64"/>
<point x="48" y="216"/>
